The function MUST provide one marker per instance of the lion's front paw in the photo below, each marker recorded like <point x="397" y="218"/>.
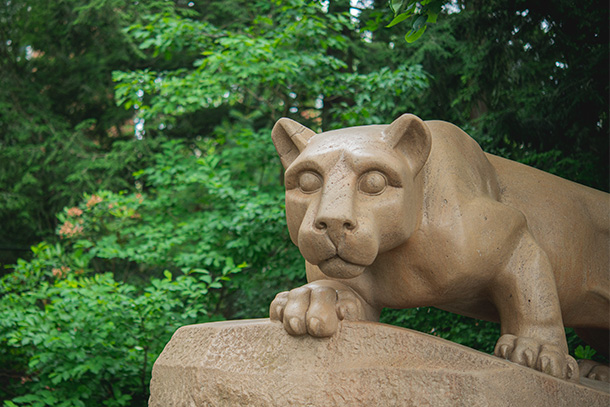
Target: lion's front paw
<point x="544" y="357"/>
<point x="594" y="370"/>
<point x="316" y="309"/>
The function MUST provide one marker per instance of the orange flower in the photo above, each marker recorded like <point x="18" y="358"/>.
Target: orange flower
<point x="74" y="212"/>
<point x="61" y="272"/>
<point x="94" y="200"/>
<point x="68" y="229"/>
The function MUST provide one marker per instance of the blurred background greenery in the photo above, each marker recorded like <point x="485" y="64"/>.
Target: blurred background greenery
<point x="139" y="188"/>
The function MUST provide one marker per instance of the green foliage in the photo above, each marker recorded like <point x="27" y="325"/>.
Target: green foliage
<point x="421" y="13"/>
<point x="259" y="62"/>
<point x="528" y="82"/>
<point x="580" y="350"/>
<point x="72" y="332"/>
<point x="296" y="59"/>
<point x="174" y="251"/>
<point x="360" y="91"/>
<point x="62" y="133"/>
<point x="476" y="334"/>
<point x="584" y="353"/>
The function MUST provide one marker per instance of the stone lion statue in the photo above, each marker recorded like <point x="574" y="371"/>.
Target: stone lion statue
<point x="415" y="214"/>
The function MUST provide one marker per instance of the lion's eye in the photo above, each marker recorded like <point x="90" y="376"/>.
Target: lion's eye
<point x="372" y="183"/>
<point x="309" y="182"/>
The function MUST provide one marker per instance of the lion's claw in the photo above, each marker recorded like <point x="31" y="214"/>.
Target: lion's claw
<point x="544" y="357"/>
<point x="543" y="365"/>
<point x="295" y="326"/>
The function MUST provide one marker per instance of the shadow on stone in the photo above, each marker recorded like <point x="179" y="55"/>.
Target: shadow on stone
<point x="256" y="363"/>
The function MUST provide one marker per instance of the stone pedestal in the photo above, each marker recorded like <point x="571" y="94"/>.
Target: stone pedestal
<point x="256" y="363"/>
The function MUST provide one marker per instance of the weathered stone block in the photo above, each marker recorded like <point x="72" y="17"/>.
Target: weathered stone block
<point x="256" y="363"/>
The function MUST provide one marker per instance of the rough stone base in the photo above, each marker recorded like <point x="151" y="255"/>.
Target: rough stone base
<point x="256" y="363"/>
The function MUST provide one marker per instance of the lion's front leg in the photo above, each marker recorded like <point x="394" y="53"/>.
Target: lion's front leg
<point x="318" y="307"/>
<point x="526" y="297"/>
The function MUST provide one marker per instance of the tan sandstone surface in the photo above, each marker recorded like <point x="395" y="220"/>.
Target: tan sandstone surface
<point x="256" y="363"/>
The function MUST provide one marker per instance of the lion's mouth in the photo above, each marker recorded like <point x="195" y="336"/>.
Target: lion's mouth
<point x="338" y="267"/>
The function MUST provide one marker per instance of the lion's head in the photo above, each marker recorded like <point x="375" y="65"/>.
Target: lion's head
<point x="351" y="193"/>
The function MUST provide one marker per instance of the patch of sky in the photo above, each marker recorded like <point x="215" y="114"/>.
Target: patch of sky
<point x="138" y="128"/>
<point x="452" y="7"/>
<point x="319" y="103"/>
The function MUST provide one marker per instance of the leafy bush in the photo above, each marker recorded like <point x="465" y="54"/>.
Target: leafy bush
<point x="84" y="320"/>
<point x="474" y="333"/>
<point x="93" y="340"/>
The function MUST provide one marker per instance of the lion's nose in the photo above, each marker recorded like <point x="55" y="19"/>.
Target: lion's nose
<point x="335" y="213"/>
<point x="324" y="223"/>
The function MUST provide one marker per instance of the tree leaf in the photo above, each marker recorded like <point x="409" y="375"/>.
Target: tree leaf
<point x="396" y="5"/>
<point x="399" y="18"/>
<point x="412" y="35"/>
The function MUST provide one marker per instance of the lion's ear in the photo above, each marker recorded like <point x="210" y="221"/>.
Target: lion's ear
<point x="290" y="138"/>
<point x="411" y="136"/>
